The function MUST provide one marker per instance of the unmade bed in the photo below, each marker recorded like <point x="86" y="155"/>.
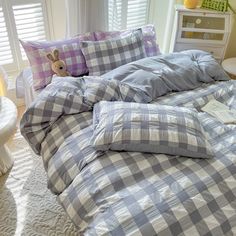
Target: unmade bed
<point x="105" y="186"/>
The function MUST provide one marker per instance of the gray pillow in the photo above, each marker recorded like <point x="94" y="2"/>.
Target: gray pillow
<point x="103" y="56"/>
<point x="149" y="128"/>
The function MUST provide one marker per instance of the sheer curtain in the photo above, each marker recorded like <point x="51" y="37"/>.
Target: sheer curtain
<point x="169" y="25"/>
<point x="91" y="15"/>
<point x="85" y="16"/>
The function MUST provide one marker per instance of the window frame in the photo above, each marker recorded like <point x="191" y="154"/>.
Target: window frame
<point x="7" y="7"/>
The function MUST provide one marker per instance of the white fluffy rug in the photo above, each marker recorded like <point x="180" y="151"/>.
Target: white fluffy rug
<point x="27" y="207"/>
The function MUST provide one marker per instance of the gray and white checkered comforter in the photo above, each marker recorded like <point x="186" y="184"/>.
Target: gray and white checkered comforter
<point x="131" y="193"/>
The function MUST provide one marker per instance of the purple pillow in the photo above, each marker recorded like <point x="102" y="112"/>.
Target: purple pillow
<point x="149" y="38"/>
<point x="70" y="53"/>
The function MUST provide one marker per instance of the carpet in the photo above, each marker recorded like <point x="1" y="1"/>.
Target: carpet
<point x="27" y="207"/>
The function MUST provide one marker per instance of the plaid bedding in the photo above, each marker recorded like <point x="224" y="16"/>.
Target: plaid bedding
<point x="132" y="193"/>
<point x="103" y="56"/>
<point x="129" y="126"/>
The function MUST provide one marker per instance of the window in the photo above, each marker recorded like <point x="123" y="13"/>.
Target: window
<point x="20" y="19"/>
<point x="5" y="49"/>
<point x="127" y="13"/>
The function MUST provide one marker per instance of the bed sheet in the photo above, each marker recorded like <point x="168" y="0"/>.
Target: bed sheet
<point x="24" y="87"/>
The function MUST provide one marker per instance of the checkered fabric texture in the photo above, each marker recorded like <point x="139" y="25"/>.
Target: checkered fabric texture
<point x="194" y="196"/>
<point x="149" y="38"/>
<point x="129" y="193"/>
<point x="68" y="97"/>
<point x="122" y="126"/>
<point x="70" y="53"/>
<point x="97" y="89"/>
<point x="132" y="193"/>
<point x="103" y="56"/>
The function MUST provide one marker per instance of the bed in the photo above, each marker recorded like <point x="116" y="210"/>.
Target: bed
<point x="112" y="191"/>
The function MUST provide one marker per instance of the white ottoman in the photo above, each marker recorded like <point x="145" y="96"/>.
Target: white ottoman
<point x="8" y="118"/>
<point x="229" y="66"/>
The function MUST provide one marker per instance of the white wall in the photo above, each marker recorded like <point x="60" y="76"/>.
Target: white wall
<point x="162" y="16"/>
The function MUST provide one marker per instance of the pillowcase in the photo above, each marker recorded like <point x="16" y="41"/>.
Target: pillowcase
<point x="149" y="38"/>
<point x="149" y="128"/>
<point x="69" y="50"/>
<point x="103" y="56"/>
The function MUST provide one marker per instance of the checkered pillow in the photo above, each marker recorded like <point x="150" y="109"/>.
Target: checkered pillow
<point x="149" y="128"/>
<point x="149" y="38"/>
<point x="70" y="52"/>
<point x="103" y="56"/>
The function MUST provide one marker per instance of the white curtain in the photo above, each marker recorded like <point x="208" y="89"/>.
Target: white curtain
<point x="169" y="25"/>
<point x="86" y="16"/>
<point x="162" y="15"/>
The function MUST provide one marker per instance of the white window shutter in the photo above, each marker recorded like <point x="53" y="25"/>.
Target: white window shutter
<point x="29" y="21"/>
<point x="137" y="13"/>
<point x="21" y="19"/>
<point x="6" y="56"/>
<point x="114" y="14"/>
<point x="127" y="13"/>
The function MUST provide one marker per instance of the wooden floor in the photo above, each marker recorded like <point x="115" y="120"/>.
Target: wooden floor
<point x="21" y="111"/>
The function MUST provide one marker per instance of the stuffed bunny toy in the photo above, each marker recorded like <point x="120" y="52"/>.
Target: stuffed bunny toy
<point x="58" y="66"/>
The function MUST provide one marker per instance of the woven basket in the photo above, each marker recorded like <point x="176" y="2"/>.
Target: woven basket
<point x="218" y="5"/>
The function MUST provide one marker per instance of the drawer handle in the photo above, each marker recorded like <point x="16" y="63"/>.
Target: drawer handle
<point x="198" y="21"/>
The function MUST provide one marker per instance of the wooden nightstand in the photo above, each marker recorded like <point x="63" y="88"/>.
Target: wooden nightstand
<point x="202" y="29"/>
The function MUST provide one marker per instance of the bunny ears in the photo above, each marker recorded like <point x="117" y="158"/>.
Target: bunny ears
<point x="54" y="56"/>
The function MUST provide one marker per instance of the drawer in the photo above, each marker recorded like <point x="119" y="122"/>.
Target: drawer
<point x="216" y="37"/>
<point x="204" y="21"/>
<point x="217" y="52"/>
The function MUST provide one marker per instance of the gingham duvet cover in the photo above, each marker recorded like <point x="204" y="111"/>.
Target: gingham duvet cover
<point x="132" y="193"/>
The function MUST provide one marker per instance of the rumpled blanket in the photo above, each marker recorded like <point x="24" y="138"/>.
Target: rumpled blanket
<point x="132" y="193"/>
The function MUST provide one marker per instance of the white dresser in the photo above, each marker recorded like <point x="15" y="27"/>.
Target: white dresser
<point x="201" y="29"/>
